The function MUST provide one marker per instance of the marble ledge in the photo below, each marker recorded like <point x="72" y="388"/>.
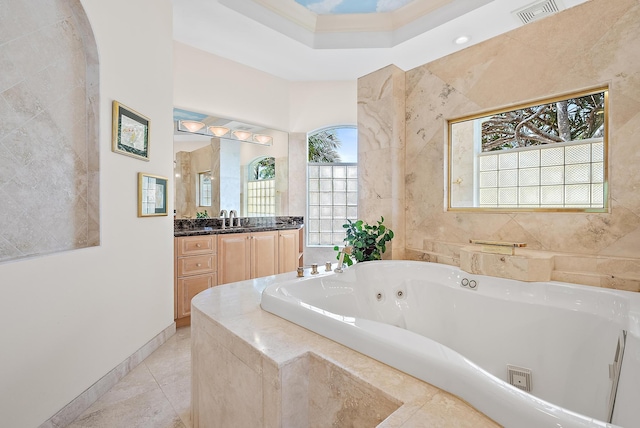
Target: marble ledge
<point x="274" y="358"/>
<point x="534" y="265"/>
<point x="530" y="267"/>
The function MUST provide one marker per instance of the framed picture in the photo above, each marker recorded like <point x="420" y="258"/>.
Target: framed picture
<point x="130" y="132"/>
<point x="152" y="195"/>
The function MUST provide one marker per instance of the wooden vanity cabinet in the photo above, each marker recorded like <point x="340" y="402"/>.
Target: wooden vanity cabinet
<point x="247" y="255"/>
<point x="195" y="270"/>
<point x="289" y="248"/>
<point x="244" y="256"/>
<point x="264" y="254"/>
<point x="234" y="257"/>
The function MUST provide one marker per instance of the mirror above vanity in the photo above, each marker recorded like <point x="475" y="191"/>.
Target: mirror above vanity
<point x="549" y="155"/>
<point x="226" y="164"/>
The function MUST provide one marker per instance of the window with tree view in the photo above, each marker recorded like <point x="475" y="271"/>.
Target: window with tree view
<point x="332" y="184"/>
<point x="550" y="155"/>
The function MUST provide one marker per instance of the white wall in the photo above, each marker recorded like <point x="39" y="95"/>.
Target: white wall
<point x="207" y="83"/>
<point x="213" y="85"/>
<point x="69" y="318"/>
<point x="315" y="105"/>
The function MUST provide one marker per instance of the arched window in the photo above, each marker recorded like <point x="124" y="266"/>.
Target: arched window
<point x="261" y="187"/>
<point x="332" y="174"/>
<point x="262" y="169"/>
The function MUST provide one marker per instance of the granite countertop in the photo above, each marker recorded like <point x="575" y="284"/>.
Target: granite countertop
<point x="236" y="229"/>
<point x="213" y="226"/>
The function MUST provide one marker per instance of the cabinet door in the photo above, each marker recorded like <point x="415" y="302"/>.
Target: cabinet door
<point x="264" y="254"/>
<point x="288" y="250"/>
<point x="234" y="257"/>
<point x="190" y="286"/>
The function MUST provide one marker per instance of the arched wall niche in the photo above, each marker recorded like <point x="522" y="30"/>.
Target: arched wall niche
<point x="49" y="152"/>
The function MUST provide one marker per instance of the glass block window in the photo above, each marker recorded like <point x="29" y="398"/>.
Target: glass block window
<point x="204" y="189"/>
<point x="332" y="184"/>
<point x="333" y="198"/>
<point x="261" y="188"/>
<point x="568" y="175"/>
<point x="261" y="198"/>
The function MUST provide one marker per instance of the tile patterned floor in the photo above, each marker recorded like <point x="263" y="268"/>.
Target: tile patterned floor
<point x="156" y="394"/>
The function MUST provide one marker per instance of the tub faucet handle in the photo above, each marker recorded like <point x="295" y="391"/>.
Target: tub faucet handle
<point x="345" y="250"/>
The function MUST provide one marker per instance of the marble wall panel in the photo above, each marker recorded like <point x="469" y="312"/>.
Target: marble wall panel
<point x="226" y="392"/>
<point x="271" y="393"/>
<point x="297" y="173"/>
<point x="381" y="152"/>
<point x="295" y="392"/>
<point x="521" y="268"/>
<point x="282" y="186"/>
<point x="184" y="186"/>
<point x="48" y="128"/>
<point x="338" y="399"/>
<point x="586" y="46"/>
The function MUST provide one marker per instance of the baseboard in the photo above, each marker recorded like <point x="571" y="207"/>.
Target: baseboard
<point x="78" y="405"/>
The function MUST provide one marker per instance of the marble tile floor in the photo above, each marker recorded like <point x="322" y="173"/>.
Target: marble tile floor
<point x="155" y="394"/>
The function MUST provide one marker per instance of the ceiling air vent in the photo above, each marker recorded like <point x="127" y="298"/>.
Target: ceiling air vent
<point x="538" y="10"/>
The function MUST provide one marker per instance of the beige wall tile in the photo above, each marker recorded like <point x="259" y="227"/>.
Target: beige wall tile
<point x="48" y="98"/>
<point x="564" y="58"/>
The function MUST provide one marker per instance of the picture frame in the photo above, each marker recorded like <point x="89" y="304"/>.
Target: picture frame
<point x="152" y="195"/>
<point x="130" y="132"/>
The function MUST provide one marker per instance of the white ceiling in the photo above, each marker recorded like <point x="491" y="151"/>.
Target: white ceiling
<point x="267" y="35"/>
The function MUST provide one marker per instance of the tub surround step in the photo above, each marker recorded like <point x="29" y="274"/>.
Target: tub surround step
<point x="253" y="368"/>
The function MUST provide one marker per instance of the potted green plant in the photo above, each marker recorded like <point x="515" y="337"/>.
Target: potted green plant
<point x="368" y="242"/>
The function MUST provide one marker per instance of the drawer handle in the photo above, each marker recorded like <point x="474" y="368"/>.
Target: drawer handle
<point x="198" y="245"/>
<point x="199" y="264"/>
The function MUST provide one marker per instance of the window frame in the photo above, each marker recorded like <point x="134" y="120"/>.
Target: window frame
<point x="451" y="181"/>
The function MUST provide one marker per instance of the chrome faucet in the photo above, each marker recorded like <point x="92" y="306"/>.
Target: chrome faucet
<point x="223" y="214"/>
<point x="232" y="214"/>
<point x="345" y="250"/>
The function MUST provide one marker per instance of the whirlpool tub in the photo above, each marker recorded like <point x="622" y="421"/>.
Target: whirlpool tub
<point x="487" y="340"/>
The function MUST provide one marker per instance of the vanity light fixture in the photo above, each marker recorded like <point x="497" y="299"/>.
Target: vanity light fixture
<point x="196" y="127"/>
<point x="263" y="139"/>
<point x="462" y="40"/>
<point x="242" y="135"/>
<point x="218" y="131"/>
<point x="192" y="125"/>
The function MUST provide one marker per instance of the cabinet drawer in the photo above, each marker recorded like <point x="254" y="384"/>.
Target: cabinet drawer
<point x="196" y="264"/>
<point x="194" y="245"/>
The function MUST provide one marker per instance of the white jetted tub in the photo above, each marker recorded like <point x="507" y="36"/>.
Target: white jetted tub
<point x="459" y="332"/>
